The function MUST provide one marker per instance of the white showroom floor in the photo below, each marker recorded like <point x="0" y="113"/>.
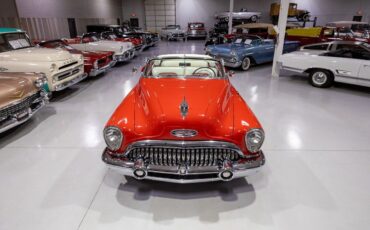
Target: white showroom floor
<point x="317" y="174"/>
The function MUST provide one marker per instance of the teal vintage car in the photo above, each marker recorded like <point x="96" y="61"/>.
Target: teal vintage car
<point x="248" y="50"/>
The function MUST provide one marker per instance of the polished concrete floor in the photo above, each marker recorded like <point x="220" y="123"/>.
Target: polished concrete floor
<point x="317" y="174"/>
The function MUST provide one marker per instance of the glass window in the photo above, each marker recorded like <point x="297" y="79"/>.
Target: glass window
<point x="184" y="68"/>
<point x="317" y="47"/>
<point x="13" y="41"/>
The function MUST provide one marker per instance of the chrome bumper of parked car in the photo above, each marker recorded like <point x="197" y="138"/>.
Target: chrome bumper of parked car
<point x="224" y="171"/>
<point x="96" y="72"/>
<point x="25" y="114"/>
<point x="126" y="56"/>
<point x="197" y="34"/>
<point x="67" y="84"/>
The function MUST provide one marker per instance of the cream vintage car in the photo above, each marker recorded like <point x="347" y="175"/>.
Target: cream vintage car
<point x="17" y="54"/>
<point x="21" y="96"/>
<point x="123" y="51"/>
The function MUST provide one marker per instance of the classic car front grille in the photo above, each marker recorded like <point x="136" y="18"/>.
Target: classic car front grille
<point x="19" y="107"/>
<point x="178" y="35"/>
<point x="68" y="65"/>
<point x="66" y="74"/>
<point x="195" y="156"/>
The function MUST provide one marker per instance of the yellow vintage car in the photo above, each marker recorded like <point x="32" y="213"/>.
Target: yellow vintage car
<point x="301" y="15"/>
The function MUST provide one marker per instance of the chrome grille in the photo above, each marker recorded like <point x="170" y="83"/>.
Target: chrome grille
<point x="194" y="156"/>
<point x="18" y="107"/>
<point x="66" y="74"/>
<point x="68" y="65"/>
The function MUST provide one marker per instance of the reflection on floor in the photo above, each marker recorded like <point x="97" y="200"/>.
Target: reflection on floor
<point x="317" y="174"/>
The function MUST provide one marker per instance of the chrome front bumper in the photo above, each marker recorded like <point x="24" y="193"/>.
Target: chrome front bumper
<point x="228" y="62"/>
<point x="67" y="84"/>
<point x="23" y="116"/>
<point x="96" y="72"/>
<point x="126" y="56"/>
<point x="184" y="174"/>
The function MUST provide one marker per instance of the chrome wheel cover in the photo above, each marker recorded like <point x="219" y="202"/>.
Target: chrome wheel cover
<point x="246" y="63"/>
<point x="319" y="78"/>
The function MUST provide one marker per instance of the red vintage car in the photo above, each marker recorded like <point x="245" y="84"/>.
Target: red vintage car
<point x="314" y="35"/>
<point x="95" y="63"/>
<point x="184" y="122"/>
<point x="110" y="35"/>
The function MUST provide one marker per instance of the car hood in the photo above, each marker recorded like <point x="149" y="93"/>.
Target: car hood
<point x="158" y="105"/>
<point x="36" y="54"/>
<point x="15" y="87"/>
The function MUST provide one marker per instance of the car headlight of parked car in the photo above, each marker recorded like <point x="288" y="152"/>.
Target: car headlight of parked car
<point x="233" y="53"/>
<point x="53" y="67"/>
<point x="39" y="83"/>
<point x="113" y="137"/>
<point x="254" y="140"/>
<point x="96" y="64"/>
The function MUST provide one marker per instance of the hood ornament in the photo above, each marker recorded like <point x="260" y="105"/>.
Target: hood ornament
<point x="184" y="108"/>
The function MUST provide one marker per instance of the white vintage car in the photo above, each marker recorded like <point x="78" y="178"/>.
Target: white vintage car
<point x="123" y="51"/>
<point x="61" y="68"/>
<point x="244" y="14"/>
<point x="173" y="32"/>
<point x="348" y="65"/>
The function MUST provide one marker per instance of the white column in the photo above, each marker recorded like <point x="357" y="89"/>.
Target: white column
<point x="283" y="17"/>
<point x="231" y="10"/>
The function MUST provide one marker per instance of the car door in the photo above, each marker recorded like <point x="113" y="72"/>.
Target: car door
<point x="344" y="65"/>
<point x="264" y="51"/>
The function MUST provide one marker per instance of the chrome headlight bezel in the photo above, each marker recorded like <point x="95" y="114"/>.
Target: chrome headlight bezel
<point x="39" y="83"/>
<point x="95" y="64"/>
<point x="115" y="143"/>
<point x="254" y="139"/>
<point x="233" y="53"/>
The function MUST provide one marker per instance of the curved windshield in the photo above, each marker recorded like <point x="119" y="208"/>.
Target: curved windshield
<point x="57" y="45"/>
<point x="14" y="41"/>
<point x="109" y="35"/>
<point x="249" y="40"/>
<point x="184" y="68"/>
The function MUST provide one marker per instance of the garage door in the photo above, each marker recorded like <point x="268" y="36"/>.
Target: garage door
<point x="159" y="13"/>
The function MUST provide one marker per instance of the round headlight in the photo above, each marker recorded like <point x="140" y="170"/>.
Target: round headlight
<point x="113" y="137"/>
<point x="254" y="140"/>
<point x="233" y="53"/>
<point x="53" y="67"/>
<point x="96" y="66"/>
<point x="39" y="83"/>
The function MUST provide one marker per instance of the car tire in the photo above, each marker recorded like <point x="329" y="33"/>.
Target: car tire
<point x="246" y="63"/>
<point x="253" y="18"/>
<point x="321" y="78"/>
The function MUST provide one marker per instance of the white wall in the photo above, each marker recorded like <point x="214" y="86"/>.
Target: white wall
<point x="8" y="14"/>
<point x="47" y="19"/>
<point x="325" y="10"/>
<point x="204" y="10"/>
<point x="134" y="7"/>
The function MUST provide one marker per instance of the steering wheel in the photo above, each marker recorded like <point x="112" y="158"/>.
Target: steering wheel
<point x="206" y="69"/>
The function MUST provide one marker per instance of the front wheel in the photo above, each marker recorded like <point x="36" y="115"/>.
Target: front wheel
<point x="254" y="18"/>
<point x="321" y="78"/>
<point x="246" y="64"/>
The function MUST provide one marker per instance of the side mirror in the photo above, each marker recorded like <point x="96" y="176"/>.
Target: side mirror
<point x="230" y="73"/>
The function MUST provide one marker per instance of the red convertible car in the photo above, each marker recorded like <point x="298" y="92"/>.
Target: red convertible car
<point x="184" y="123"/>
<point x="95" y="63"/>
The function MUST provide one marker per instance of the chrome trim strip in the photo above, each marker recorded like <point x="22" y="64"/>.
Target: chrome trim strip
<point x="185" y="145"/>
<point x="96" y="72"/>
<point x="241" y="169"/>
<point x="13" y="122"/>
<point x="67" y="84"/>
